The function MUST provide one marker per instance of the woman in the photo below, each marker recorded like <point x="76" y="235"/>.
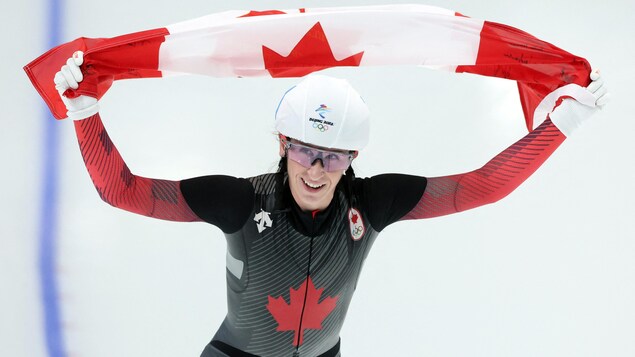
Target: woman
<point x="297" y="239"/>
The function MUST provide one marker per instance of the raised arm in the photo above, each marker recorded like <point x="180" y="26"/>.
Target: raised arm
<point x="118" y="186"/>
<point x="114" y="181"/>
<point x="495" y="180"/>
<point x="507" y="170"/>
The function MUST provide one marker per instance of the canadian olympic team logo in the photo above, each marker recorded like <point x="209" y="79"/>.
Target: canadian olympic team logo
<point x="356" y="224"/>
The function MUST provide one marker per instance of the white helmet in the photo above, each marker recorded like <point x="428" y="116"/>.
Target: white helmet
<point x="324" y="111"/>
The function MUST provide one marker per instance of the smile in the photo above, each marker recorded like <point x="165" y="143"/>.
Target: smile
<point x="312" y="186"/>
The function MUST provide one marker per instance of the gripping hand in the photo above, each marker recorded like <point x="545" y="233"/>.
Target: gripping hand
<point x="69" y="76"/>
<point x="571" y="114"/>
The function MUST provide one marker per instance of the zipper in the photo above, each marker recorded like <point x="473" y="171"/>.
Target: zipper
<point x="296" y="353"/>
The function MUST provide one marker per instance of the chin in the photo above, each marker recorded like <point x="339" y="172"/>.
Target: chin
<point x="311" y="201"/>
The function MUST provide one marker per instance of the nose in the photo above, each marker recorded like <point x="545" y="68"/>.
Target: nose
<point x="319" y="159"/>
<point x="317" y="168"/>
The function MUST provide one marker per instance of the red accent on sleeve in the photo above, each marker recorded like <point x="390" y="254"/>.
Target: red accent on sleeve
<point x="498" y="178"/>
<point x="120" y="188"/>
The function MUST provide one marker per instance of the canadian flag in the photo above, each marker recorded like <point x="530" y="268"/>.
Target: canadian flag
<point x="293" y="43"/>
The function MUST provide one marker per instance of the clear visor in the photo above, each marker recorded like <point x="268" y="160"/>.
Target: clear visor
<point x="308" y="155"/>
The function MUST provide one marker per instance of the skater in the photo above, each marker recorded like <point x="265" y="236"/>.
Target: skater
<point x="297" y="238"/>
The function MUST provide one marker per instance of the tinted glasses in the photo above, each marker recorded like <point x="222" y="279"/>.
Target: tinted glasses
<point x="307" y="155"/>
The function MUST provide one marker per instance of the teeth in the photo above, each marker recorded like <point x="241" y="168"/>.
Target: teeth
<point x="311" y="185"/>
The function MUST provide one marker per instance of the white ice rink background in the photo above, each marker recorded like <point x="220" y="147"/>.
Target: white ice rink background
<point x="548" y="271"/>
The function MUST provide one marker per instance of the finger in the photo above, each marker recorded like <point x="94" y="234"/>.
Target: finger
<point x="595" y="74"/>
<point x="78" y="57"/>
<point x="68" y="75"/>
<point x="603" y="100"/>
<point x="595" y="85"/>
<point x="60" y="82"/>
<point x="600" y="92"/>
<point x="75" y="71"/>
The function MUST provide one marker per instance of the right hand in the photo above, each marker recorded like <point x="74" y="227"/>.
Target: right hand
<point x="69" y="76"/>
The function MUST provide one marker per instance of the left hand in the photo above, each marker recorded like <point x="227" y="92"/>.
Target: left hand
<point x="571" y="114"/>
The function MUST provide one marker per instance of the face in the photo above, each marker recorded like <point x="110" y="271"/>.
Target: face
<point x="312" y="188"/>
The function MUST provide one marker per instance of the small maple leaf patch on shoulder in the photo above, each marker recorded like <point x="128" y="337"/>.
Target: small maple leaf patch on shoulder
<point x="356" y="224"/>
<point x="289" y="316"/>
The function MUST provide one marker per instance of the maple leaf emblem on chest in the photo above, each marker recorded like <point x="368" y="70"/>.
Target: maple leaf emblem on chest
<point x="305" y="310"/>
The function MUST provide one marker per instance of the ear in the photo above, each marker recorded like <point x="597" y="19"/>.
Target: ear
<point x="281" y="149"/>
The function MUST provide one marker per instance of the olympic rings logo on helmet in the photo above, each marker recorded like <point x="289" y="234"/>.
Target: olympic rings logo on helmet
<point x="358" y="230"/>
<point x="321" y="127"/>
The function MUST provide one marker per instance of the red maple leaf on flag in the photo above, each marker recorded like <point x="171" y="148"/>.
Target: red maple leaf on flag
<point x="289" y="316"/>
<point x="312" y="53"/>
<point x="354" y="219"/>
